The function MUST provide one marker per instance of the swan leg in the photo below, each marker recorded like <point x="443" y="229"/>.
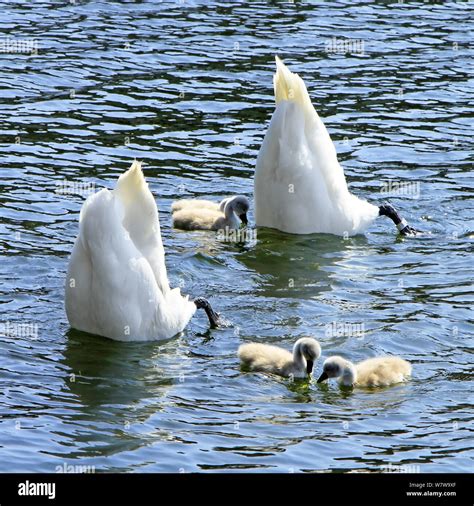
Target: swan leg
<point x="214" y="318"/>
<point x="392" y="213"/>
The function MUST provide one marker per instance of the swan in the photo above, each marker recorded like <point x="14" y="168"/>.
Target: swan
<point x="276" y="360"/>
<point x="117" y="284"/>
<point x="299" y="185"/>
<point x="189" y="214"/>
<point x="373" y="372"/>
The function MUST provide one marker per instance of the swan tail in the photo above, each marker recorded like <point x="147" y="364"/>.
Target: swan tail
<point x="133" y="179"/>
<point x="289" y="86"/>
<point x="141" y="220"/>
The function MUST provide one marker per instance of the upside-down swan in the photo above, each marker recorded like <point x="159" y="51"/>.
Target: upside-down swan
<point x="117" y="284"/>
<point x="299" y="186"/>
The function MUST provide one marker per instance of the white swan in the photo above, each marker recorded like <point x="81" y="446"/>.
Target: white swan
<point x="373" y="372"/>
<point x="116" y="284"/>
<point x="276" y="360"/>
<point x="299" y="186"/>
<point x="189" y="214"/>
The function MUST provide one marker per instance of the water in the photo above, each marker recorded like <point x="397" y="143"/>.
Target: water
<point x="187" y="88"/>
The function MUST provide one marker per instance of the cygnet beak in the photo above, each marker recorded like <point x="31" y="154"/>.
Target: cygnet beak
<point x="323" y="377"/>
<point x="309" y="366"/>
<point x="243" y="218"/>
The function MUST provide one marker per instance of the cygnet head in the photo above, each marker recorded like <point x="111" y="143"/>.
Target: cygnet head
<point x="239" y="205"/>
<point x="310" y="349"/>
<point x="224" y="202"/>
<point x="334" y="367"/>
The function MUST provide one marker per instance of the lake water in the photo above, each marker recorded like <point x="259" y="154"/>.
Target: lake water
<point x="187" y="88"/>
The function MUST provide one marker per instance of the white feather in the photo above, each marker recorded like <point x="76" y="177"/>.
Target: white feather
<point x="117" y="285"/>
<point x="299" y="184"/>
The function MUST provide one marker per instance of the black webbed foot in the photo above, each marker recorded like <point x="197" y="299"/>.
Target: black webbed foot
<point x="402" y="226"/>
<point x="409" y="231"/>
<point x="214" y="318"/>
